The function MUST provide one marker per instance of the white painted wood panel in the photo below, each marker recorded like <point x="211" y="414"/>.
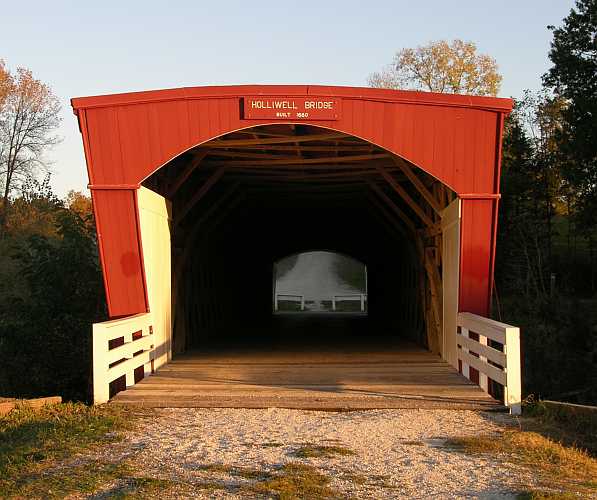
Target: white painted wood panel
<point x="450" y="279"/>
<point x="155" y="217"/>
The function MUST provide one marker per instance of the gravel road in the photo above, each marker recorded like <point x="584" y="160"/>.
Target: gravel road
<point x="397" y="453"/>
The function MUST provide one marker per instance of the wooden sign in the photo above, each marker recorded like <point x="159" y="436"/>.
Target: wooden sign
<point x="290" y="108"/>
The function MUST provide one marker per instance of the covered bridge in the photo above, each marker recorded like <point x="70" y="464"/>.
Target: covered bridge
<point x="197" y="192"/>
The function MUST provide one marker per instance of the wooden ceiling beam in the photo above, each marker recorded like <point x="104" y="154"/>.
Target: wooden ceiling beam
<point x="341" y="147"/>
<point x="386" y="217"/>
<point x="308" y="161"/>
<point x="225" y="153"/>
<point x="219" y="143"/>
<point x="201" y="192"/>
<point x="415" y="207"/>
<point x="197" y="224"/>
<point x="283" y="166"/>
<point x="186" y="172"/>
<point x="388" y="201"/>
<point x="418" y="183"/>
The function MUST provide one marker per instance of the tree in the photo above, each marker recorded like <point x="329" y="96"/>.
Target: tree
<point x="573" y="77"/>
<point x="28" y="119"/>
<point x="5" y="81"/>
<point x="441" y="67"/>
<point x="51" y="291"/>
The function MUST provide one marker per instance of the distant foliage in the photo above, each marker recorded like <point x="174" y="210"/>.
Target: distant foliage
<point x="351" y="272"/>
<point x="451" y="67"/>
<point x="573" y="77"/>
<point x="29" y="117"/>
<point x="537" y="288"/>
<point x="46" y="322"/>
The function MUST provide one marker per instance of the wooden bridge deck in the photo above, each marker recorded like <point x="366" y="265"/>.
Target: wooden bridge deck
<point x="324" y="379"/>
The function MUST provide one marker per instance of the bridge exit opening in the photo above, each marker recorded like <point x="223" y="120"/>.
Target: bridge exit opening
<point x="319" y="281"/>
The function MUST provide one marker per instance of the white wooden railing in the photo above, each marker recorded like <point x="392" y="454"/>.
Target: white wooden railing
<point x="136" y="349"/>
<point x="500" y="363"/>
<point x="355" y="296"/>
<point x="292" y="297"/>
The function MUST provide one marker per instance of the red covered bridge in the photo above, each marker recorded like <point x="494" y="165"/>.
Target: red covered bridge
<point x="197" y="192"/>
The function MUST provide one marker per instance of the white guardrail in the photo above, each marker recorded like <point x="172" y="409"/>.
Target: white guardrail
<point x="355" y="296"/>
<point x="500" y="363"/>
<point x="292" y="297"/>
<point x="133" y="341"/>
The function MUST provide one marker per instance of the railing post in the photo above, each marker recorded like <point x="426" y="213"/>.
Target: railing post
<point x="465" y="367"/>
<point x="276" y="303"/>
<point x="302" y="302"/>
<point x="483" y="380"/>
<point x="362" y="302"/>
<point x="513" y="389"/>
<point x="101" y="387"/>
<point x="333" y="302"/>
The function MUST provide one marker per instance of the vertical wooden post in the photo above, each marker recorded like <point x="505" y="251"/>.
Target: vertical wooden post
<point x="513" y="389"/>
<point x="483" y="381"/>
<point x="465" y="366"/>
<point x="101" y="388"/>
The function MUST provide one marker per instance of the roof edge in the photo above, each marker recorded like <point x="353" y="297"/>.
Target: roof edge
<point x="498" y="104"/>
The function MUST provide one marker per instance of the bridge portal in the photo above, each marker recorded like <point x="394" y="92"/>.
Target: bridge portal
<point x="198" y="192"/>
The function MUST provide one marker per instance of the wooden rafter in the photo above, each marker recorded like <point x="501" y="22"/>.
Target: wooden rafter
<point x="205" y="187"/>
<point x="187" y="171"/>
<point x="290" y="175"/>
<point x="206" y="215"/>
<point x="418" y="183"/>
<point x="283" y="166"/>
<point x="391" y="221"/>
<point x="231" y="143"/>
<point x="342" y="147"/>
<point x="406" y="197"/>
<point x="387" y="200"/>
<point x="226" y="153"/>
<point x="305" y="161"/>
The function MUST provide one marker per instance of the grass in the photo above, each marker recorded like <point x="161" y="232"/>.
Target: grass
<point x="558" y="466"/>
<point x="28" y="436"/>
<point x="34" y="442"/>
<point x="545" y="495"/>
<point x="244" y="472"/>
<point x="565" y="424"/>
<point x="292" y="481"/>
<point x="321" y="451"/>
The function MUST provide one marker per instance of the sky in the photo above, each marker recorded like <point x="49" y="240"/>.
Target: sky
<point x="84" y="48"/>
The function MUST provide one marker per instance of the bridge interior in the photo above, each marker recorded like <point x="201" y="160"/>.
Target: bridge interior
<point x="244" y="200"/>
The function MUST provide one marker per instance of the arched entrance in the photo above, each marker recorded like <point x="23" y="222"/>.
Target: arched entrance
<point x="405" y="181"/>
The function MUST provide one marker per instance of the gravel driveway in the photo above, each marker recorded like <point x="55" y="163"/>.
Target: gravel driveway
<point x="386" y="453"/>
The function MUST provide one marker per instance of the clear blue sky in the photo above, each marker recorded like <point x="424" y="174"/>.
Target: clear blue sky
<point x="87" y="48"/>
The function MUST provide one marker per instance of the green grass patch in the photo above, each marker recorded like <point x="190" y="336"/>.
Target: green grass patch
<point x="570" y="424"/>
<point x="243" y="472"/>
<point x="271" y="445"/>
<point x="292" y="481"/>
<point x="32" y="442"/>
<point x="321" y="451"/>
<point x="545" y="495"/>
<point x="143" y="487"/>
<point x="556" y="465"/>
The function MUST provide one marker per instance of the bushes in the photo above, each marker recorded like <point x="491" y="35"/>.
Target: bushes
<point x="559" y="346"/>
<point x="45" y="330"/>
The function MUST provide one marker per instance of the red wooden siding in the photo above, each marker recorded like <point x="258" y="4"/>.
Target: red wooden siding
<point x="116" y="221"/>
<point x="129" y="136"/>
